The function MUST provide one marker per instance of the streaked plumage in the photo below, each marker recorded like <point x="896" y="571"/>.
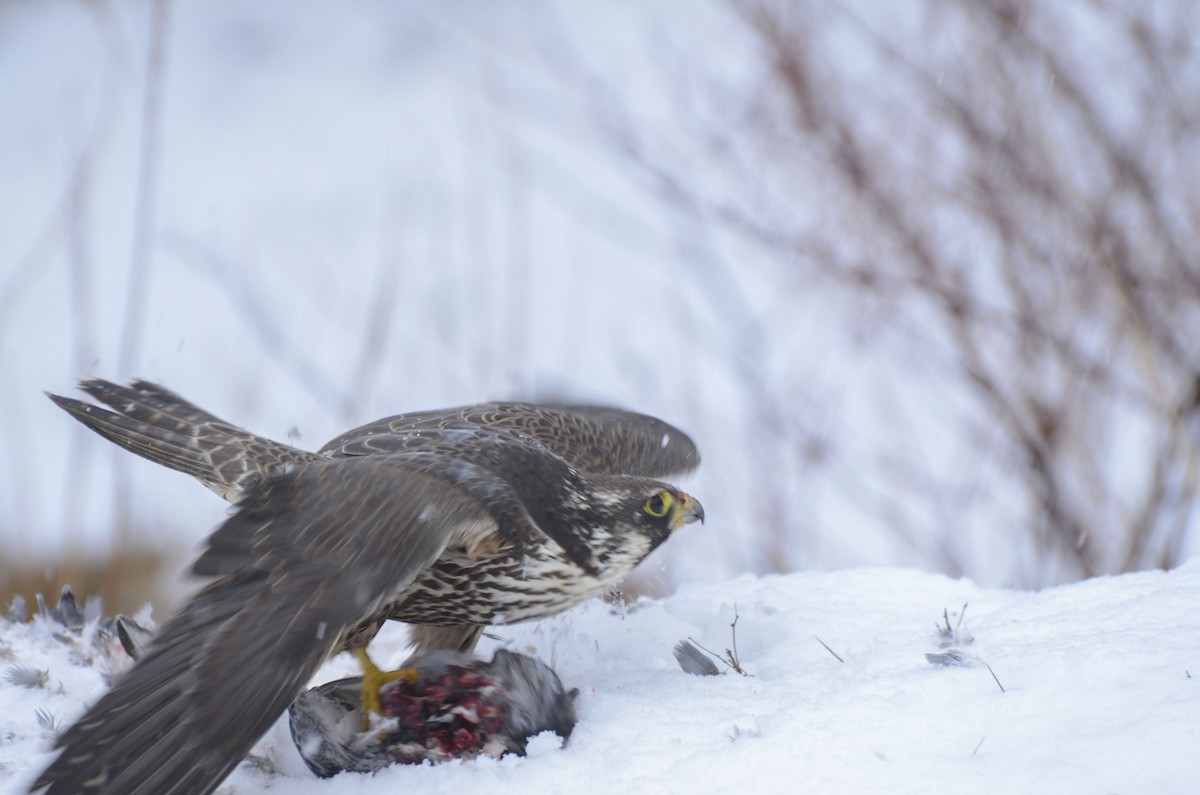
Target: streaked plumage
<point x="455" y="519"/>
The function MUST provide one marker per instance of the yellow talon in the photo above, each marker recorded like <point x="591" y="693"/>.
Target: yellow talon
<point x="374" y="679"/>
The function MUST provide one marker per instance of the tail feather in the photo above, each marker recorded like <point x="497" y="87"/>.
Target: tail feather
<point x="157" y="424"/>
<point x="169" y="448"/>
<point x="147" y="401"/>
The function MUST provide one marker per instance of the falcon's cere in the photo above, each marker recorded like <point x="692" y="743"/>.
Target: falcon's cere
<point x="450" y="520"/>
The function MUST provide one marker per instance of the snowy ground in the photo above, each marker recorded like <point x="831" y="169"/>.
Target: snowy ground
<point x="1101" y="693"/>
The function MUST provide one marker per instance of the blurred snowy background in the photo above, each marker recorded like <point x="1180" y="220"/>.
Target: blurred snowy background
<point x="921" y="280"/>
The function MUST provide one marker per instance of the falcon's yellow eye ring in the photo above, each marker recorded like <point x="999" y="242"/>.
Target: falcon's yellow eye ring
<point x="660" y="504"/>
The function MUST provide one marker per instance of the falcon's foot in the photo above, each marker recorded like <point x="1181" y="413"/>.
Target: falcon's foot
<point x="375" y="678"/>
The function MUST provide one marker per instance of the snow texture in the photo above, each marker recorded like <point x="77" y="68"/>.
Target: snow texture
<point x="1100" y="692"/>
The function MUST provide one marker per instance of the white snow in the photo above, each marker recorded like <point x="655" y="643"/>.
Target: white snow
<point x="1101" y="693"/>
<point x="320" y="159"/>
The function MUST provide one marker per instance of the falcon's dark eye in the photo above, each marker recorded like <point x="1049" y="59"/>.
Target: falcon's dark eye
<point x="658" y="505"/>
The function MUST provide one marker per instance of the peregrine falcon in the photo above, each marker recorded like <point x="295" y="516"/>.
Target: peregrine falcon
<point x="451" y="520"/>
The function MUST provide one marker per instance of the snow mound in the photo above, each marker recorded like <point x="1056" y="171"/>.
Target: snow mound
<point x="861" y="680"/>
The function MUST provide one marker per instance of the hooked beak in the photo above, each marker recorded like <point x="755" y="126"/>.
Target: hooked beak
<point x="689" y="510"/>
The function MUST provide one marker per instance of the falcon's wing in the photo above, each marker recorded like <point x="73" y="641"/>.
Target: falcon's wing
<point x="306" y="555"/>
<point x="595" y="439"/>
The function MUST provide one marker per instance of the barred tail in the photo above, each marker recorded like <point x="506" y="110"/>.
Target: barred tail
<point x="157" y="424"/>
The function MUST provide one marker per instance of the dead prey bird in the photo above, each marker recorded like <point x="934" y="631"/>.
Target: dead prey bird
<point x="451" y="519"/>
<point x="456" y="707"/>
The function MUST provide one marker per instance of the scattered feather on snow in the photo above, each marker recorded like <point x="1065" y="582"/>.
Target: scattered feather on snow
<point x="46" y="720"/>
<point x="952" y="642"/>
<point x="26" y="676"/>
<point x="693" y="661"/>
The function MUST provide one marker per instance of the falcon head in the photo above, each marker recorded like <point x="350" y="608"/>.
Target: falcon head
<point x="652" y="508"/>
<point x="669" y="509"/>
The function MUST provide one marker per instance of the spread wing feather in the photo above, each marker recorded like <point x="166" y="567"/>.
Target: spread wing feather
<point x="230" y="662"/>
<point x="594" y="439"/>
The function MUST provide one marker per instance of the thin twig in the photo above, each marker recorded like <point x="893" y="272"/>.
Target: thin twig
<point x="725" y="659"/>
<point x="133" y="331"/>
<point x="733" y="631"/>
<point x="831" y="651"/>
<point x="730" y="658"/>
<point x="993" y="673"/>
<point x="140" y="267"/>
